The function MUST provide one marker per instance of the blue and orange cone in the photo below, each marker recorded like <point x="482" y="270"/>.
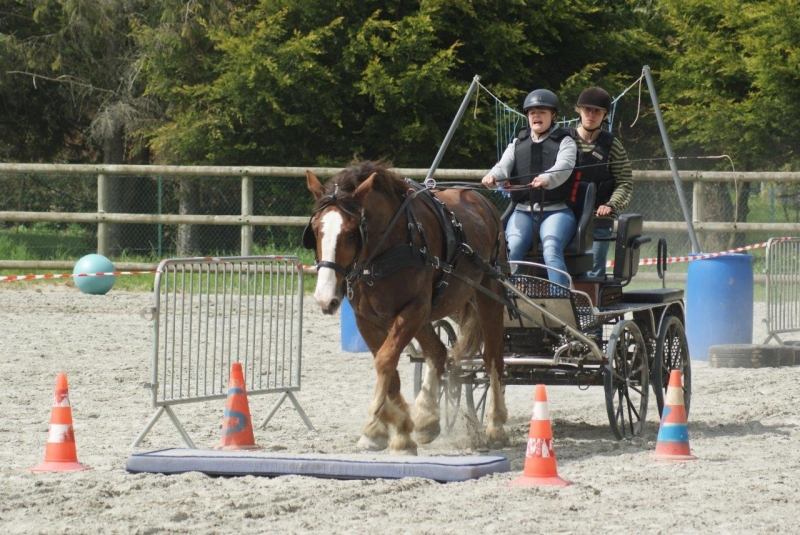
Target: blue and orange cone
<point x="673" y="435"/>
<point x="60" y="454"/>
<point x="237" y="428"/>
<point x="540" y="455"/>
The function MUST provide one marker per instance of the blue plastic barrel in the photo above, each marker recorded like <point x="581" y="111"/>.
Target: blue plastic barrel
<point x="352" y="340"/>
<point x="719" y="303"/>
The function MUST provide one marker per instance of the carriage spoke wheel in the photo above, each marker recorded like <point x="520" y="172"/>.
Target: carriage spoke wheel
<point x="672" y="353"/>
<point x="449" y="386"/>
<point x="475" y="393"/>
<point x="626" y="380"/>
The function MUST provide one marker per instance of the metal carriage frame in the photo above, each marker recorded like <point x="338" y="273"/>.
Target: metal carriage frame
<point x="628" y="342"/>
<point x="642" y="322"/>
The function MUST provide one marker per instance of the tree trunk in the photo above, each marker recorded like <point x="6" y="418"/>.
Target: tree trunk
<point x="718" y="207"/>
<point x="743" y="204"/>
<point x="114" y="154"/>
<point x="189" y="235"/>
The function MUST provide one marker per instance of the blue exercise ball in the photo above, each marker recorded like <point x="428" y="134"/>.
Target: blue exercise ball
<point x="94" y="285"/>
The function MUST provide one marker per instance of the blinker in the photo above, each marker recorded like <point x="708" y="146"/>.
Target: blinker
<point x="309" y="239"/>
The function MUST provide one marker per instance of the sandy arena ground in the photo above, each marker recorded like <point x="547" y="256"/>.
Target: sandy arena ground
<point x="743" y="428"/>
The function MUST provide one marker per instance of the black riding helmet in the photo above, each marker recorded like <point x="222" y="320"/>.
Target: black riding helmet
<point x="541" y="98"/>
<point x="595" y="97"/>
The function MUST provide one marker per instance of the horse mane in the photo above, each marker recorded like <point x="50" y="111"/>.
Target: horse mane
<point x="344" y="184"/>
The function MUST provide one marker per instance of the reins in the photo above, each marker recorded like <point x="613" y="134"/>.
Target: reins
<point x="356" y="271"/>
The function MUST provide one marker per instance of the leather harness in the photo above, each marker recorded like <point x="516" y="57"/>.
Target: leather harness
<point x="408" y="255"/>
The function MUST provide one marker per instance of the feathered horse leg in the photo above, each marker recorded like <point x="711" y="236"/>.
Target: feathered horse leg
<point x="426" y="407"/>
<point x="388" y="405"/>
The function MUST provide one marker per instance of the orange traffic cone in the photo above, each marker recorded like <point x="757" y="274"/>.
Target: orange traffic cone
<point x="237" y="430"/>
<point x="673" y="436"/>
<point x="540" y="456"/>
<point x="60" y="454"/>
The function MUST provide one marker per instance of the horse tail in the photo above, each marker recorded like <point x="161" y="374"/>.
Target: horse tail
<point x="470" y="336"/>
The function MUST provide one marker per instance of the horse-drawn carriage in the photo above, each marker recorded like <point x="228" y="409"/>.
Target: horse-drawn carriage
<point x="413" y="258"/>
<point x="593" y="332"/>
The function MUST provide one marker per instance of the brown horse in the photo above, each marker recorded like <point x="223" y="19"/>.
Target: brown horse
<point x="379" y="242"/>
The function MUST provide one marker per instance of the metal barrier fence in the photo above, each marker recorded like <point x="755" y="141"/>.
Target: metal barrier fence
<point x="783" y="287"/>
<point x="211" y="312"/>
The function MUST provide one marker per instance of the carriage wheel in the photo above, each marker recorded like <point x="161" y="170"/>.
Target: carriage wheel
<point x="626" y="380"/>
<point x="672" y="353"/>
<point x="475" y="393"/>
<point x="450" y="386"/>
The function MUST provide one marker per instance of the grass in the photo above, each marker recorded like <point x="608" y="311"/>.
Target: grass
<point x="42" y="242"/>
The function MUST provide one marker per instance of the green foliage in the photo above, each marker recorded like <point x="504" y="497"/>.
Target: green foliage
<point x="274" y="82"/>
<point x="75" y="64"/>
<point x="733" y="82"/>
<point x="313" y="82"/>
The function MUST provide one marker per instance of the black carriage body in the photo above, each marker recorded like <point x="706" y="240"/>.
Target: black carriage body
<point x="593" y="333"/>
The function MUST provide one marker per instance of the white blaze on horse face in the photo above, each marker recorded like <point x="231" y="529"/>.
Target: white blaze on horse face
<point x="326" y="277"/>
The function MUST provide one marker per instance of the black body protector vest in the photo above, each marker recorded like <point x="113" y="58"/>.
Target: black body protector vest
<point x="589" y="166"/>
<point x="531" y="159"/>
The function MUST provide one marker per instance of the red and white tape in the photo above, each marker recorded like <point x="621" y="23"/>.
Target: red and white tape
<point x="11" y="278"/>
<point x="311" y="270"/>
<point x="677" y="259"/>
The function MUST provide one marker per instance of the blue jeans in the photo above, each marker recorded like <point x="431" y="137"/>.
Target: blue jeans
<point x="600" y="251"/>
<point x="558" y="228"/>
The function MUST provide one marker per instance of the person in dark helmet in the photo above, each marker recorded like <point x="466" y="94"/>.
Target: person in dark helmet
<point x="601" y="159"/>
<point x="539" y="162"/>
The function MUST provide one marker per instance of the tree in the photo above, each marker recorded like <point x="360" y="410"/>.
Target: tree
<point x="38" y="120"/>
<point x="78" y="55"/>
<point x="312" y="83"/>
<point x="733" y="87"/>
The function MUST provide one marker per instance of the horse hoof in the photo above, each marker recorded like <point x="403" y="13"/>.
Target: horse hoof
<point x="372" y="444"/>
<point x="497" y="436"/>
<point x="403" y="446"/>
<point x="428" y="434"/>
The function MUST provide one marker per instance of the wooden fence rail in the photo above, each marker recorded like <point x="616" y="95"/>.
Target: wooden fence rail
<point x="247" y="220"/>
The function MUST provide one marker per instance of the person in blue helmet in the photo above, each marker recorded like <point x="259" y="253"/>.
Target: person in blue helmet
<point x="538" y="164"/>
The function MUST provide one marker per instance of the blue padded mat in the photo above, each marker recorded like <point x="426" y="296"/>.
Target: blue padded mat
<point x="337" y="466"/>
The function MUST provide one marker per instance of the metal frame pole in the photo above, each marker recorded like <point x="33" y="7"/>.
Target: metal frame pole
<point x="436" y="161"/>
<point x="672" y="165"/>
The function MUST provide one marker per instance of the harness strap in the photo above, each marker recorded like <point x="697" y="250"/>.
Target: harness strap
<point x="480" y="288"/>
<point x="407" y="255"/>
<point x="355" y="274"/>
<point x="399" y="257"/>
<point x="333" y="265"/>
<point x="478" y="260"/>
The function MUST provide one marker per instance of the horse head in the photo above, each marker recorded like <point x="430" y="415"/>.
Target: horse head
<point x="337" y="230"/>
<point x="333" y="233"/>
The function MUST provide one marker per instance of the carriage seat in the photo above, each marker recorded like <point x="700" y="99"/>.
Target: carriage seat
<point x="607" y="290"/>
<point x="628" y="247"/>
<point x="577" y="253"/>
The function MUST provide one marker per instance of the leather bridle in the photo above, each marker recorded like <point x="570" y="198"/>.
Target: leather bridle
<point x="310" y="239"/>
<point x="354" y="271"/>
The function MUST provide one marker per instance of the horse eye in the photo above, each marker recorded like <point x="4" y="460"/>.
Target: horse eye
<point x="351" y="235"/>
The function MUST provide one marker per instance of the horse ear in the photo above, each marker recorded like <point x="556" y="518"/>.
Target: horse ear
<point x="314" y="185"/>
<point x="365" y="187"/>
